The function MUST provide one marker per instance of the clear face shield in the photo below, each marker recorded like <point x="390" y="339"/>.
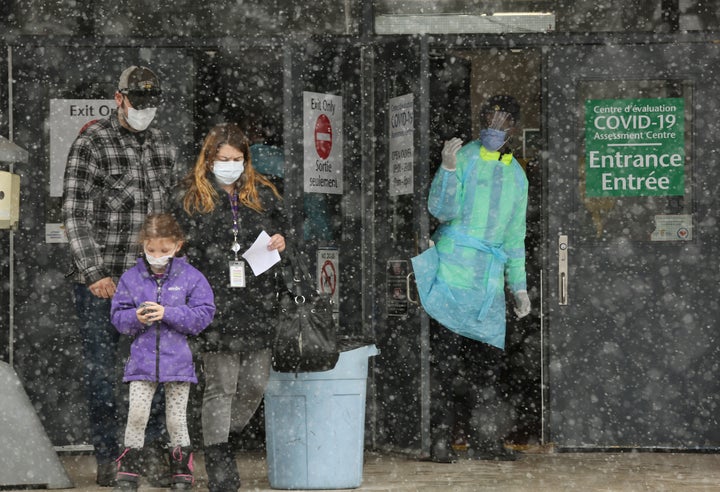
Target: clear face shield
<point x="499" y="120"/>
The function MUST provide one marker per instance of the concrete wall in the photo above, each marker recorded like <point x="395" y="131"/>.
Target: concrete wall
<point x="182" y="18"/>
<point x="239" y="18"/>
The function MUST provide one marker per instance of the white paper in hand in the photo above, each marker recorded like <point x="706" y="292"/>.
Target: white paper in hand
<point x="259" y="257"/>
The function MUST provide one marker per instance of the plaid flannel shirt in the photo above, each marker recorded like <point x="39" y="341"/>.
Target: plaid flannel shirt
<point x="113" y="179"/>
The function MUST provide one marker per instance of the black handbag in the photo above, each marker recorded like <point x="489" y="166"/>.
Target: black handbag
<point x="305" y="332"/>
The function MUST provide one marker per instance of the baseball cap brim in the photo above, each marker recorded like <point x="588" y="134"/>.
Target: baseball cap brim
<point x="143" y="99"/>
<point x="137" y="78"/>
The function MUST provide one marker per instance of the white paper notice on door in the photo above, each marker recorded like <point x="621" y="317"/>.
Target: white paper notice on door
<point x="672" y="228"/>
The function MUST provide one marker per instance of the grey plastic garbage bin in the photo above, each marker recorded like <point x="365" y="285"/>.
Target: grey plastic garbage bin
<point x="315" y="425"/>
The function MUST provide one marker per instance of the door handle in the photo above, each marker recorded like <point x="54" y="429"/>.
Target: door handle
<point x="563" y="270"/>
<point x="408" y="289"/>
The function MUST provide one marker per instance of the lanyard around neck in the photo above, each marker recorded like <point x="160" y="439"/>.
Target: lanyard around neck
<point x="236" y="218"/>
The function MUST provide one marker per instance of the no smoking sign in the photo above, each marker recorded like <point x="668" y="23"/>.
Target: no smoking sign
<point x="328" y="278"/>
<point x="328" y="273"/>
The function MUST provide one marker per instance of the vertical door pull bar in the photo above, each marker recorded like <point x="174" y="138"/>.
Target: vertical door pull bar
<point x="408" y="285"/>
<point x="563" y="269"/>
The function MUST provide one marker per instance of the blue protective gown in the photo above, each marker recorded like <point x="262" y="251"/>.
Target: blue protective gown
<point x="480" y="243"/>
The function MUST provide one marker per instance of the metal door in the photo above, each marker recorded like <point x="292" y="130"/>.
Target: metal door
<point x="632" y="186"/>
<point x="301" y="99"/>
<point x="325" y="175"/>
<point x="400" y="232"/>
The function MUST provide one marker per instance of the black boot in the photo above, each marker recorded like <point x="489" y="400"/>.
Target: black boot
<point x="182" y="466"/>
<point x="106" y="474"/>
<point x="221" y="468"/>
<point x="128" y="470"/>
<point x="441" y="450"/>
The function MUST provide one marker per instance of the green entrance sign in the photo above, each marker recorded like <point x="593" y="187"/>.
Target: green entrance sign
<point x="634" y="147"/>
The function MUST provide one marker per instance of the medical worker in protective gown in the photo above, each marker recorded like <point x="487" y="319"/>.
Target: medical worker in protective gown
<point x="479" y="195"/>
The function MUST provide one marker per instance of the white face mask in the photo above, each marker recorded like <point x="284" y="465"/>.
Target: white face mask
<point x="140" y="119"/>
<point x="158" y="261"/>
<point x="227" y="172"/>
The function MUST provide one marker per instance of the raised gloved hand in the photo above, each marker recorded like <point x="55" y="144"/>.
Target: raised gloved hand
<point x="449" y="153"/>
<point x="522" y="304"/>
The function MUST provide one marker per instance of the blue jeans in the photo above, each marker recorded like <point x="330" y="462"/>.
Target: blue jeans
<point x="102" y="376"/>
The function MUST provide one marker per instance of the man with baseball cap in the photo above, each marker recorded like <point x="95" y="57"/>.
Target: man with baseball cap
<point x="119" y="169"/>
<point x="479" y="195"/>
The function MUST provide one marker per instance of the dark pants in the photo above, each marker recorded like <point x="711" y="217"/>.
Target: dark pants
<point x="467" y="389"/>
<point x="102" y="377"/>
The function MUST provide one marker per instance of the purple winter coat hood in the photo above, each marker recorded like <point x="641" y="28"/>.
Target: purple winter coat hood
<point x="160" y="352"/>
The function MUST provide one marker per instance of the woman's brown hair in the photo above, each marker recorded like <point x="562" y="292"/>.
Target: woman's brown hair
<point x="200" y="194"/>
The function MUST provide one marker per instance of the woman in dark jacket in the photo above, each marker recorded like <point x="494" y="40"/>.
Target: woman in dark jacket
<point x="226" y="204"/>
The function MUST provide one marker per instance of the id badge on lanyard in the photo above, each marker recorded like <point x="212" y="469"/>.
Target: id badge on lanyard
<point x="236" y="267"/>
<point x="237" y="273"/>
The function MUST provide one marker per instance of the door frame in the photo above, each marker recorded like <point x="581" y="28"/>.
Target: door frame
<point x="426" y="160"/>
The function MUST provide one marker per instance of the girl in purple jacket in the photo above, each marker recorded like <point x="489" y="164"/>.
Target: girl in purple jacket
<point x="159" y="302"/>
